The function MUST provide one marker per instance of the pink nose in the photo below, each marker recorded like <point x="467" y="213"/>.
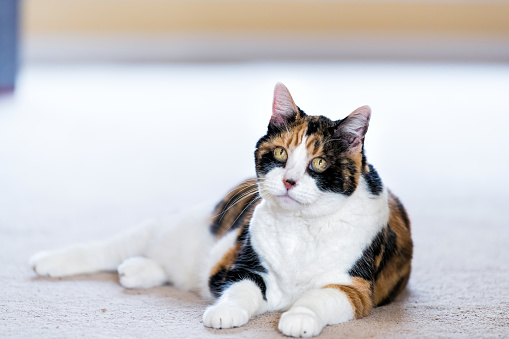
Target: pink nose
<point x="289" y="183"/>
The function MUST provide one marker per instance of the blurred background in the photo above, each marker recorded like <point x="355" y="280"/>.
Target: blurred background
<point x="201" y="73"/>
<point x="244" y="30"/>
<point x="116" y="110"/>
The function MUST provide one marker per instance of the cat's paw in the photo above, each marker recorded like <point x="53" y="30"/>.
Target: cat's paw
<point x="222" y="316"/>
<point x="300" y="322"/>
<point x="52" y="264"/>
<point x="140" y="272"/>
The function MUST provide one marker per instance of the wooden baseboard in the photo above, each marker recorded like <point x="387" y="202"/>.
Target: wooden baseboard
<point x="238" y="30"/>
<point x="469" y="17"/>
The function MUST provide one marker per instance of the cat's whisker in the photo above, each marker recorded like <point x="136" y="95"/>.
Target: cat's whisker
<point x="267" y="193"/>
<point x="246" y="190"/>
<point x="240" y="188"/>
<point x="242" y="197"/>
<point x="238" y="196"/>
<point x="242" y="212"/>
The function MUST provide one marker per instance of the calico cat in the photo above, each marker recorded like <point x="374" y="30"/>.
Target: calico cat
<point x="316" y="234"/>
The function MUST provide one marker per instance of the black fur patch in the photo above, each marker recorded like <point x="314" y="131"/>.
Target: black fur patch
<point x="375" y="185"/>
<point x="364" y="161"/>
<point x="320" y="124"/>
<point x="246" y="266"/>
<point x="217" y="282"/>
<point x="216" y="223"/>
<point x="313" y="127"/>
<point x="273" y="129"/>
<point x="365" y="265"/>
<point x="338" y="178"/>
<point x="267" y="163"/>
<point x="263" y="139"/>
<point x="389" y="249"/>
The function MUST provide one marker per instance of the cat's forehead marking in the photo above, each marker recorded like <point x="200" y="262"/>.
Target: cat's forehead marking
<point x="296" y="136"/>
<point x="307" y="130"/>
<point x="300" y="134"/>
<point x="314" y="144"/>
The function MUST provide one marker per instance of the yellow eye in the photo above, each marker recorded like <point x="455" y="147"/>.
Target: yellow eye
<point x="319" y="165"/>
<point x="280" y="154"/>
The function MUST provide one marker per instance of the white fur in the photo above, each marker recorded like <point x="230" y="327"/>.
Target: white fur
<point x="181" y="245"/>
<point x="149" y="255"/>
<point x="315" y="309"/>
<point x="140" y="272"/>
<point x="236" y="306"/>
<point x="96" y="256"/>
<point x="305" y="252"/>
<point x="304" y="237"/>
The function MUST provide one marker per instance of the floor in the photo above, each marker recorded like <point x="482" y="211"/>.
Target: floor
<point x="88" y="150"/>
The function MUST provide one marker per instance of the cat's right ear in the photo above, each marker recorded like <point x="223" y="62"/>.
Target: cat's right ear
<point x="353" y="128"/>
<point x="283" y="107"/>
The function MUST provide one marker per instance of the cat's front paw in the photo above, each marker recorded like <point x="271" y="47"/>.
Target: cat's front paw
<point x="300" y="322"/>
<point x="52" y="264"/>
<point x="222" y="316"/>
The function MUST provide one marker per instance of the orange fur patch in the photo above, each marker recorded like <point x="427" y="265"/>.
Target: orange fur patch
<point x="388" y="281"/>
<point x="311" y="143"/>
<point x="238" y="201"/>
<point x="229" y="257"/>
<point x="397" y="269"/>
<point x="359" y="294"/>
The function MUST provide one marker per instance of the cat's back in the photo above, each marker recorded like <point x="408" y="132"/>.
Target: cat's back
<point x="394" y="261"/>
<point x="235" y="209"/>
<point x="229" y="226"/>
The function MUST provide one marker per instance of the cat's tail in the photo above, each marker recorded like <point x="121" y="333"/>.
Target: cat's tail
<point x="105" y="255"/>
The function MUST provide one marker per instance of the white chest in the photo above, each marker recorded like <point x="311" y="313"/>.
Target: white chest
<point x="302" y="254"/>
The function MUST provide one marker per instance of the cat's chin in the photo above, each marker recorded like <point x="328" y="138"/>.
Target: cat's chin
<point x="326" y="204"/>
<point x="287" y="200"/>
<point x="288" y="203"/>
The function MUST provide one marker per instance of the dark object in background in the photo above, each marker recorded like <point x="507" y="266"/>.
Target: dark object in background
<point x="9" y="10"/>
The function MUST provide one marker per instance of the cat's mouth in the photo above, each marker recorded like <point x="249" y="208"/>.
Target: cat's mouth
<point x="286" y="198"/>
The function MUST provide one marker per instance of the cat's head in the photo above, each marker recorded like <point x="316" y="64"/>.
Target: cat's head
<point x="309" y="163"/>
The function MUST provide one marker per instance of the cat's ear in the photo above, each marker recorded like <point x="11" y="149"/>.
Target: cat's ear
<point x="283" y="107"/>
<point x="353" y="128"/>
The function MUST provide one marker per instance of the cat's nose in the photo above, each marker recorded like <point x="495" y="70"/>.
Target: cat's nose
<point x="289" y="183"/>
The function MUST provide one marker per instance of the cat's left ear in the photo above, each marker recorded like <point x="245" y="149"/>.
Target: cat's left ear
<point x="353" y="128"/>
<point x="283" y="106"/>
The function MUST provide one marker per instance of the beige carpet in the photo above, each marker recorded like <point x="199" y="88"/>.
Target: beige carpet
<point x="78" y="163"/>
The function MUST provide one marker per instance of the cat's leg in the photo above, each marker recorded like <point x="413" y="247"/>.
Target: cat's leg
<point x="141" y="272"/>
<point x="182" y="246"/>
<point x="317" y="308"/>
<point x="238" y="303"/>
<point x="96" y="256"/>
